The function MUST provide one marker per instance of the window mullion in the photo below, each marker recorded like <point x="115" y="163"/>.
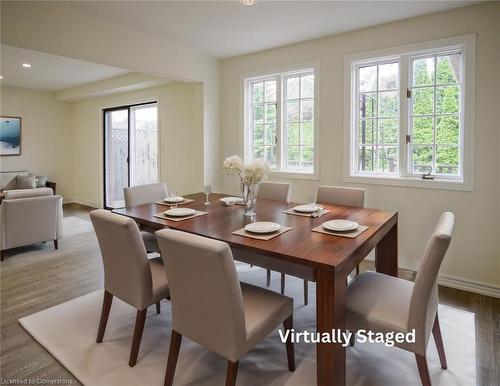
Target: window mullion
<point x="280" y="130"/>
<point x="404" y="116"/>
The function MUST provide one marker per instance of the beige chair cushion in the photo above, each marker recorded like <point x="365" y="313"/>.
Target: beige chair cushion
<point x="150" y="242"/>
<point x="25" y="193"/>
<point x="264" y="310"/>
<point x="159" y="280"/>
<point x="378" y="302"/>
<point x="276" y="191"/>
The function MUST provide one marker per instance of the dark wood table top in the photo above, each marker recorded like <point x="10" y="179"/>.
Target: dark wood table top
<point x="299" y="245"/>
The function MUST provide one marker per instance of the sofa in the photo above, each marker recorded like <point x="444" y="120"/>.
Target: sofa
<point x="30" y="216"/>
<point x="9" y="180"/>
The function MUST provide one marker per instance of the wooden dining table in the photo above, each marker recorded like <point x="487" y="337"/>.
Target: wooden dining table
<point x="325" y="259"/>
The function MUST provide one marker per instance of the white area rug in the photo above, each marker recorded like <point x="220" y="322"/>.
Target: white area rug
<point x="68" y="332"/>
<point x="74" y="226"/>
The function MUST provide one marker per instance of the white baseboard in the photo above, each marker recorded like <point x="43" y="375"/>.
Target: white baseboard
<point x="80" y="201"/>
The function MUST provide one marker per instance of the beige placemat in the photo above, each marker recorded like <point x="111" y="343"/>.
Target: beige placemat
<point x="322" y="212"/>
<point x="350" y="234"/>
<point x="186" y="201"/>
<point x="268" y="236"/>
<point x="163" y="216"/>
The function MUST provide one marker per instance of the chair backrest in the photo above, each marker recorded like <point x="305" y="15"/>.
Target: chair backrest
<point x="127" y="273"/>
<point x="144" y="194"/>
<point x="25" y="221"/>
<point x="277" y="191"/>
<point x="207" y="304"/>
<point x="338" y="195"/>
<point x="424" y="300"/>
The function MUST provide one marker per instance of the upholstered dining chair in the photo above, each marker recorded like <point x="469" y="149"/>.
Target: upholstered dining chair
<point x="144" y="194"/>
<point x="128" y="273"/>
<point x="383" y="303"/>
<point x="338" y="195"/>
<point x="211" y="307"/>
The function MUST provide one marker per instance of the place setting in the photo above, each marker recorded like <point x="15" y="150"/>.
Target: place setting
<point x="262" y="230"/>
<point x="312" y="210"/>
<point x="179" y="214"/>
<point x="342" y="228"/>
<point x="173" y="199"/>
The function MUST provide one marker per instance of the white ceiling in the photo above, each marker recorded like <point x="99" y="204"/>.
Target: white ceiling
<point x="227" y="28"/>
<point x="49" y="72"/>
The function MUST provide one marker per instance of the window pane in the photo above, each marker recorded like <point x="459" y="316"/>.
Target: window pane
<point x="292" y="111"/>
<point x="307" y="157"/>
<point x="293" y="134"/>
<point x="307" y="86"/>
<point x="388" y="76"/>
<point x="387" y="159"/>
<point x="258" y="135"/>
<point x="292" y="88"/>
<point x="270" y="134"/>
<point x="423" y="101"/>
<point x="258" y="92"/>
<point x="270" y="113"/>
<point x="368" y="105"/>
<point x="366" y="132"/>
<point x="258" y="152"/>
<point x="270" y="155"/>
<point x="388" y="104"/>
<point x="270" y="91"/>
<point x="293" y="157"/>
<point x="423" y="72"/>
<point x="422" y="159"/>
<point x="388" y="131"/>
<point x="368" y="79"/>
<point x="258" y="113"/>
<point x="366" y="158"/>
<point x="306" y="110"/>
<point x="447" y="130"/>
<point x="307" y="134"/>
<point x="447" y="99"/>
<point x="422" y="131"/>
<point x="447" y="160"/>
<point x="448" y="69"/>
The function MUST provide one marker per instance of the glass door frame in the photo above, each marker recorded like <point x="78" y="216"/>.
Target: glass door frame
<point x="104" y="113"/>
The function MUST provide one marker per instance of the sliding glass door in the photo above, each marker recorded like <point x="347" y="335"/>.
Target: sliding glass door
<point x="130" y="149"/>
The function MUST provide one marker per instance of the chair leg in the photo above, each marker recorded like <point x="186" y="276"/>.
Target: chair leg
<point x="357" y="270"/>
<point x="173" y="354"/>
<point x="423" y="370"/>
<point x="290" y="351"/>
<point x="136" y="341"/>
<point x="268" y="279"/>
<point x="158" y="308"/>
<point x="232" y="373"/>
<point x="306" y="290"/>
<point x="282" y="283"/>
<point x="106" y="307"/>
<point x="1" y="255"/>
<point x="436" y="332"/>
<point x="56" y="244"/>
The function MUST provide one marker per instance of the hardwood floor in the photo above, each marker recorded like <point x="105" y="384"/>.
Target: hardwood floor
<point x="38" y="277"/>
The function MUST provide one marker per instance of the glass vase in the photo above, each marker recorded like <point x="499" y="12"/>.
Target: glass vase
<point x="249" y="199"/>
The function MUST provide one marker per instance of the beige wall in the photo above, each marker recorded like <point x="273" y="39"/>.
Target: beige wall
<point x="47" y="144"/>
<point x="181" y="138"/>
<point x="474" y="256"/>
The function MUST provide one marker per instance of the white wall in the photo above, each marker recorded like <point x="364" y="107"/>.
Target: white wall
<point x="181" y="138"/>
<point x="474" y="256"/>
<point x="46" y="143"/>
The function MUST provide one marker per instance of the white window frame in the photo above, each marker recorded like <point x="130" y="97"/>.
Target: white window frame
<point x="466" y="45"/>
<point x="280" y="74"/>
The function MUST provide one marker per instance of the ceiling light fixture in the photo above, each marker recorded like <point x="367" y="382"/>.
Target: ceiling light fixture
<point x="248" y="2"/>
<point x="26" y="65"/>
<point x="1" y="77"/>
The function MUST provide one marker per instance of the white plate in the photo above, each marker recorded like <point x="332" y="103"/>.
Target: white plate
<point x="263" y="227"/>
<point x="307" y="208"/>
<point x="231" y="200"/>
<point x="340" y="225"/>
<point x="180" y="212"/>
<point x="174" y="199"/>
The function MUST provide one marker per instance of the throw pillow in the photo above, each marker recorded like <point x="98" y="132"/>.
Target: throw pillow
<point x="25" y="182"/>
<point x="41" y="181"/>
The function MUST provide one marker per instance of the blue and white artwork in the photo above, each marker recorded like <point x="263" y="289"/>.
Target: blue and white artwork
<point x="10" y="136"/>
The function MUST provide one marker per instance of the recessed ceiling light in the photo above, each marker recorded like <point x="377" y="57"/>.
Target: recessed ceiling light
<point x="248" y="2"/>
<point x="26" y="65"/>
<point x="1" y="77"/>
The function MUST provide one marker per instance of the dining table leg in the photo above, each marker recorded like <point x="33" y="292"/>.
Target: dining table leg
<point x="330" y="316"/>
<point x="386" y="253"/>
